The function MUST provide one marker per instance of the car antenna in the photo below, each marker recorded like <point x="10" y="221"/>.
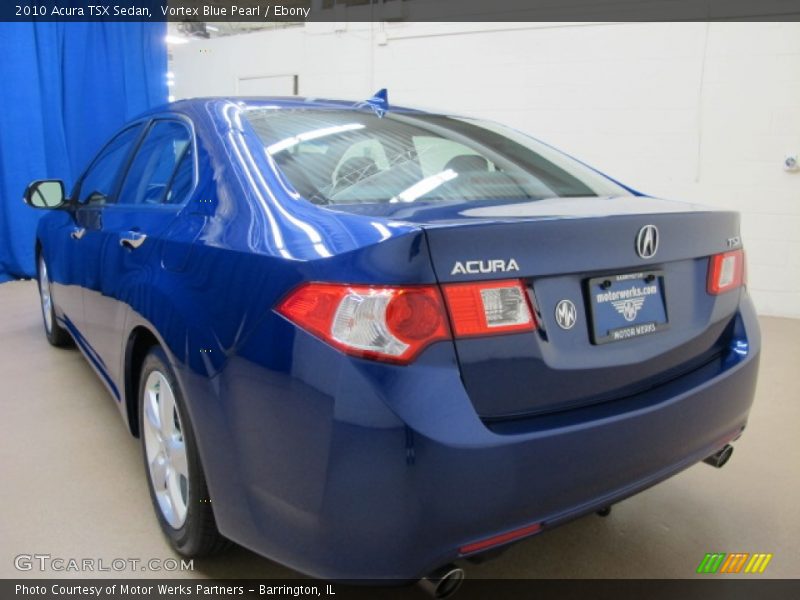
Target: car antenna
<point x="379" y="102"/>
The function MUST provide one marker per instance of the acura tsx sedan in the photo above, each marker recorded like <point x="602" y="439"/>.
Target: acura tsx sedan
<point x="367" y="341"/>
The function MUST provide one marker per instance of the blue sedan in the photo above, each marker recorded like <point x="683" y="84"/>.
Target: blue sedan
<point x="367" y="341"/>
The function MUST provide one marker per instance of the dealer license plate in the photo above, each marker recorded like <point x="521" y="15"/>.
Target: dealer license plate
<point x="626" y="306"/>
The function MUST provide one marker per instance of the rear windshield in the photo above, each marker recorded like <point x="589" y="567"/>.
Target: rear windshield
<point x="347" y="157"/>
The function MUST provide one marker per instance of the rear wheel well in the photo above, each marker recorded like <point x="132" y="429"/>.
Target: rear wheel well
<point x="139" y="343"/>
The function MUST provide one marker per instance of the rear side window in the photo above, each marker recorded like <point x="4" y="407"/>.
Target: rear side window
<point x="97" y="184"/>
<point x="336" y="156"/>
<point x="182" y="179"/>
<point x="149" y="178"/>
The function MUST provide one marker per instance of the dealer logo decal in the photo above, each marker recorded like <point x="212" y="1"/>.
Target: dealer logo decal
<point x="566" y="314"/>
<point x="629" y="308"/>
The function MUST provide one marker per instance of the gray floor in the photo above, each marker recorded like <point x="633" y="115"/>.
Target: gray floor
<point x="73" y="484"/>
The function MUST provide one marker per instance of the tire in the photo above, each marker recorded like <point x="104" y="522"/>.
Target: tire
<point x="55" y="333"/>
<point x="174" y="473"/>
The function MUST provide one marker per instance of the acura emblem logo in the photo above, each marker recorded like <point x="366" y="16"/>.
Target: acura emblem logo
<point x="566" y="314"/>
<point x="647" y="241"/>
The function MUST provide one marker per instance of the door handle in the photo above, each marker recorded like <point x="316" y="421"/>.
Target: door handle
<point x="77" y="233"/>
<point x="132" y="239"/>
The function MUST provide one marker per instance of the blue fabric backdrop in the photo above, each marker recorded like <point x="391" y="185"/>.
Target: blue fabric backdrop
<point x="64" y="89"/>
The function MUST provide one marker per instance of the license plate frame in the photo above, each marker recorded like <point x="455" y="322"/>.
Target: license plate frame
<point x="619" y="312"/>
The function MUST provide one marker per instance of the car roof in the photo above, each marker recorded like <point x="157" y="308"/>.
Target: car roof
<point x="288" y="102"/>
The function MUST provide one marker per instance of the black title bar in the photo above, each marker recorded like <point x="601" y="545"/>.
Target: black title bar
<point x="714" y="587"/>
<point x="267" y="11"/>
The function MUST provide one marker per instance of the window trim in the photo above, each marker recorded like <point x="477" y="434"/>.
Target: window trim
<point x="151" y="122"/>
<point x="174" y="174"/>
<point x="146" y="123"/>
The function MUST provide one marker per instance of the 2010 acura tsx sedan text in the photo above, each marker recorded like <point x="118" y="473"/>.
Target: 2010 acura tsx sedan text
<point x="366" y="341"/>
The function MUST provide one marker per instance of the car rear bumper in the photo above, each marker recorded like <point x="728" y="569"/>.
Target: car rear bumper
<point x="392" y="473"/>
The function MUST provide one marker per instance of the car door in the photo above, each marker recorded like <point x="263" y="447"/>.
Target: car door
<point x="94" y="189"/>
<point x="125" y="238"/>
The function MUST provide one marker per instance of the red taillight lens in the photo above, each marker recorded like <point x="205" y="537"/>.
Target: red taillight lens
<point x="489" y="307"/>
<point x="725" y="272"/>
<point x="416" y="315"/>
<point x="395" y="323"/>
<point x="388" y="323"/>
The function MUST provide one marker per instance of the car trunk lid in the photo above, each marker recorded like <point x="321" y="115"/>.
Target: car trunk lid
<point x="634" y="321"/>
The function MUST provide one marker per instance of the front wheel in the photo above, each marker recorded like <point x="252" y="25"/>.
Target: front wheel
<point x="56" y="335"/>
<point x="174" y="473"/>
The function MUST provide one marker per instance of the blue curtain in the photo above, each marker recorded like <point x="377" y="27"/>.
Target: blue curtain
<point x="64" y="89"/>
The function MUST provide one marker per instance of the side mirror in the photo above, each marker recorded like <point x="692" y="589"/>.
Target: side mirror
<point x="46" y="193"/>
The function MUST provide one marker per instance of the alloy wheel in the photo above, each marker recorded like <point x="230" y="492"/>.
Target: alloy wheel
<point x="165" y="449"/>
<point x="44" y="293"/>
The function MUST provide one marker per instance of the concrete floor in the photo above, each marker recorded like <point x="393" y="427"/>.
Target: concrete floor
<point x="73" y="483"/>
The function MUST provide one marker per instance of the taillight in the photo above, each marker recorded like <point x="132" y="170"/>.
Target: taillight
<point x="488" y="308"/>
<point x="395" y="323"/>
<point x="388" y="323"/>
<point x="725" y="272"/>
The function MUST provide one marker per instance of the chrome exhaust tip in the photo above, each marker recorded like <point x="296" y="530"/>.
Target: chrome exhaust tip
<point x="719" y="459"/>
<point x="443" y="582"/>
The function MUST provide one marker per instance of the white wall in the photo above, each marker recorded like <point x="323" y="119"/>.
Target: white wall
<point x="693" y="111"/>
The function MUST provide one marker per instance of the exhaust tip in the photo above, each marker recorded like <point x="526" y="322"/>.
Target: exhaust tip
<point x="443" y="582"/>
<point x="719" y="459"/>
